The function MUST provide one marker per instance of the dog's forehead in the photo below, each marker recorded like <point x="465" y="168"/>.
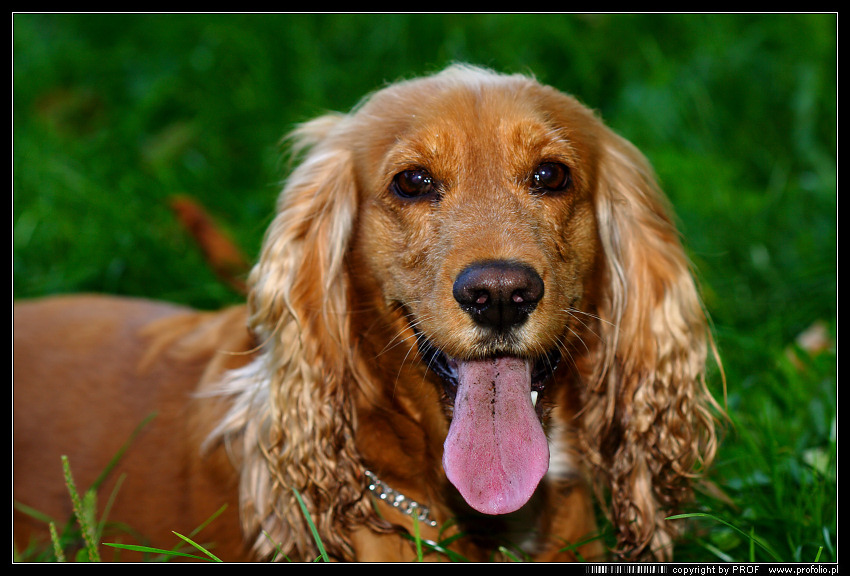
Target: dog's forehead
<point x="465" y="107"/>
<point x="428" y="121"/>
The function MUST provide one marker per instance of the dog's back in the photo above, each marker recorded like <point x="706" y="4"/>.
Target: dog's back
<point x="88" y="371"/>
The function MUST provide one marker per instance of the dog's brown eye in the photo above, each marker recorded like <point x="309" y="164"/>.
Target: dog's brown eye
<point x="551" y="177"/>
<point x="414" y="183"/>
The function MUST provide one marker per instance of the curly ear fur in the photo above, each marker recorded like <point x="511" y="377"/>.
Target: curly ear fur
<point x="648" y="421"/>
<point x="304" y="439"/>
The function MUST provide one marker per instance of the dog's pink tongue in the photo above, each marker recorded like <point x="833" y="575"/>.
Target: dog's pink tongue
<point x="496" y="452"/>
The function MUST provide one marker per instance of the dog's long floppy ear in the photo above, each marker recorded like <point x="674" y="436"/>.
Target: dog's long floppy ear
<point x="298" y="304"/>
<point x="649" y="418"/>
<point x="300" y="275"/>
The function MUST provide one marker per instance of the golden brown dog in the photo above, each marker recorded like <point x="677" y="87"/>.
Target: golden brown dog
<point x="471" y="299"/>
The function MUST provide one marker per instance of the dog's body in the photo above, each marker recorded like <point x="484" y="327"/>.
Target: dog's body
<point x="163" y="360"/>
<point x="151" y="359"/>
<point x="471" y="289"/>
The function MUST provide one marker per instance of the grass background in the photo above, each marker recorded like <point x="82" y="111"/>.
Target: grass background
<point x="114" y="114"/>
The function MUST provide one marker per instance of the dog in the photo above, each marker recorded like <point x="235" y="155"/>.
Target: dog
<point x="472" y="322"/>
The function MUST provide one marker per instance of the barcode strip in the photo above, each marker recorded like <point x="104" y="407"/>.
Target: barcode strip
<point x="626" y="569"/>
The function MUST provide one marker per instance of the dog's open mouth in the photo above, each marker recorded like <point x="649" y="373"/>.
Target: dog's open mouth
<point x="496" y="451"/>
<point x="542" y="369"/>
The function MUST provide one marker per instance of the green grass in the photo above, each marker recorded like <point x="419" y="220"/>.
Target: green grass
<point x="115" y="114"/>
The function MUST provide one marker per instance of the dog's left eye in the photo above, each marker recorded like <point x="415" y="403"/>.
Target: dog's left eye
<point x="551" y="177"/>
<point x="414" y="183"/>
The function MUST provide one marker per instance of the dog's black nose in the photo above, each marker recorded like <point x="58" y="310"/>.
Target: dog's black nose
<point x="498" y="294"/>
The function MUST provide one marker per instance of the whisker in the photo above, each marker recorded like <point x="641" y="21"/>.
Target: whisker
<point x="417" y="336"/>
<point x="591" y="314"/>
<point x="572" y="312"/>
<point x="397" y="340"/>
<point x="580" y="339"/>
<point x="394" y="341"/>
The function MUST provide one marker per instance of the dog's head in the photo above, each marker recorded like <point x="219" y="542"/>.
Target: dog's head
<point x="512" y="232"/>
<point x="476" y="218"/>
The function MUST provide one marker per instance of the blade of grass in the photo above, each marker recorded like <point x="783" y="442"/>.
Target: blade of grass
<point x="118" y="455"/>
<point x="754" y="540"/>
<point x="509" y="554"/>
<point x="151" y="550"/>
<point x="109" y="503"/>
<point x="80" y="512"/>
<point x="174" y="551"/>
<point x="209" y="520"/>
<point x="724" y="557"/>
<point x="323" y="554"/>
<point x="57" y="544"/>
<point x="573" y="547"/>
<point x="417" y="538"/>
<point x="198" y="546"/>
<point x="32" y="512"/>
<point x="277" y="549"/>
<point x="441" y="547"/>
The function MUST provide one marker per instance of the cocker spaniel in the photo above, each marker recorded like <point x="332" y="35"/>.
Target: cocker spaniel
<point x="471" y="319"/>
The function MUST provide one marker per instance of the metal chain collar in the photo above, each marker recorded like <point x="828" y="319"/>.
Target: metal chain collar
<point x="399" y="500"/>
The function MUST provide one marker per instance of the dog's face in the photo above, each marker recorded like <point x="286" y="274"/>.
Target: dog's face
<point x="476" y="220"/>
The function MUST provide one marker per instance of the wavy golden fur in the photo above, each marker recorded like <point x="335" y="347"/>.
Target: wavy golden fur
<point x="450" y="230"/>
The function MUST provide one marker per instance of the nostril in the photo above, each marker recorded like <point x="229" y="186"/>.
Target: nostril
<point x="499" y="294"/>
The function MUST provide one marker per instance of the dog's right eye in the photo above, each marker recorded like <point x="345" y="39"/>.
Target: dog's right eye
<point x="551" y="177"/>
<point x="414" y="183"/>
